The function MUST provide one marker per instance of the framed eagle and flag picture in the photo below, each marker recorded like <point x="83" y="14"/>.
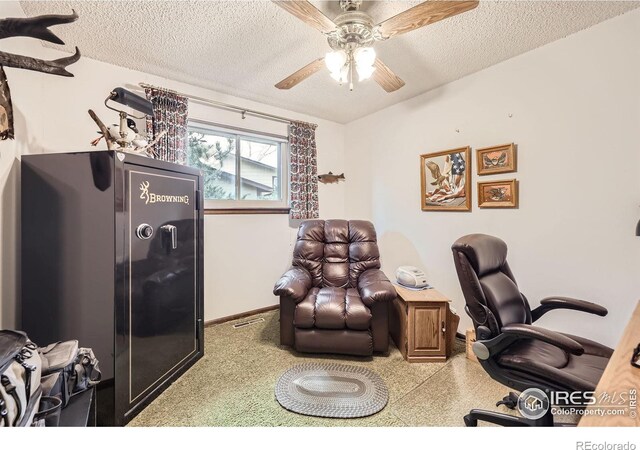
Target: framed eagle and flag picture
<point x="446" y="180"/>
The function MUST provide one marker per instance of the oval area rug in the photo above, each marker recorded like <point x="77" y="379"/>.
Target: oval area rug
<point x="331" y="390"/>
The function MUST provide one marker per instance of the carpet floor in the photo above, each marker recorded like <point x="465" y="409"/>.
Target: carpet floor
<point x="233" y="385"/>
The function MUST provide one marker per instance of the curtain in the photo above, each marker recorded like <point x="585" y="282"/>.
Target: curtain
<point x="170" y="113"/>
<point x="303" y="171"/>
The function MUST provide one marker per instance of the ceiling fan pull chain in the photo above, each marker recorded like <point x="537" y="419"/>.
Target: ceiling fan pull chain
<point x="351" y="74"/>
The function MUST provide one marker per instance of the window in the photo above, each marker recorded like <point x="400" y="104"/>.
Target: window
<point x="241" y="169"/>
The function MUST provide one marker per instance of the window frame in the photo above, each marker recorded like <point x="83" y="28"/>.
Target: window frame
<point x="239" y="206"/>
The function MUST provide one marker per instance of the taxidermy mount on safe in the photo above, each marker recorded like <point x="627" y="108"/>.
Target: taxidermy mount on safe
<point x="38" y="28"/>
<point x="129" y="140"/>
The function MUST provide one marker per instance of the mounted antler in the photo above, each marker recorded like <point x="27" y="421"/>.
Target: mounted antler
<point x="55" y="67"/>
<point x="37" y="27"/>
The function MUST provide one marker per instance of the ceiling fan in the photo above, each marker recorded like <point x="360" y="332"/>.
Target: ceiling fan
<point x="353" y="33"/>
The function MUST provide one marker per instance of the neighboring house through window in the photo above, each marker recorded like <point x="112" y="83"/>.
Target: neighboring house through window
<point x="241" y="169"/>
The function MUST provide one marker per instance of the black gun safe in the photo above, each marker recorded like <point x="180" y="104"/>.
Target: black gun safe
<point x="112" y="255"/>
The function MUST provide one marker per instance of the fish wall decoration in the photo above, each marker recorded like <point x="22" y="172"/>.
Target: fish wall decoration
<point x="331" y="178"/>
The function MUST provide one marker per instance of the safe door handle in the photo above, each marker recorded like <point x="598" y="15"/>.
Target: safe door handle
<point x="170" y="233"/>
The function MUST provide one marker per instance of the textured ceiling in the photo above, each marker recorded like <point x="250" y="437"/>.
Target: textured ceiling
<point x="243" y="48"/>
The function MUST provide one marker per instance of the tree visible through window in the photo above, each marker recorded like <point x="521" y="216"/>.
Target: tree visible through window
<point x="237" y="166"/>
<point x="210" y="158"/>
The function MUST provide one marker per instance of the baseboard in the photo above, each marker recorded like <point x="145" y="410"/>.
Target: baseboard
<point x="241" y="315"/>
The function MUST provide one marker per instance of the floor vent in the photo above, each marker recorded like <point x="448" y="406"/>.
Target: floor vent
<point x="248" y="322"/>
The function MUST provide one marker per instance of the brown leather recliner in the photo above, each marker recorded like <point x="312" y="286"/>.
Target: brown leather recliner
<point x="335" y="297"/>
<point x="512" y="350"/>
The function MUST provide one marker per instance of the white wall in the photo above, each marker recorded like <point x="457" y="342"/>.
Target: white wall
<point x="576" y="121"/>
<point x="244" y="254"/>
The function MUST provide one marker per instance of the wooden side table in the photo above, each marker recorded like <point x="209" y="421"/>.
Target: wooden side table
<point x="422" y="325"/>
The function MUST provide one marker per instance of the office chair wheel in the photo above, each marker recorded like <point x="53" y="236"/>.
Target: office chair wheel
<point x="470" y="421"/>
<point x="510" y="401"/>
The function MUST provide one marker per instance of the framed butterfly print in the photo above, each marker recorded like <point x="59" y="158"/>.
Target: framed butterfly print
<point x="498" y="159"/>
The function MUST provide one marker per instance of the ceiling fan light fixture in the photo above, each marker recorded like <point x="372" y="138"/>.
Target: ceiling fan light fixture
<point x="365" y="56"/>
<point x="342" y="75"/>
<point x="335" y="61"/>
<point x="365" y="72"/>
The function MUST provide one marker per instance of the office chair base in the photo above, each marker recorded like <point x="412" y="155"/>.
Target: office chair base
<point x="507" y="420"/>
<point x="510" y="401"/>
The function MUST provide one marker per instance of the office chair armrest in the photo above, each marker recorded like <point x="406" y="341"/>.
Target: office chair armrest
<point x="525" y="331"/>
<point x="374" y="286"/>
<point x="551" y="303"/>
<point x="295" y="283"/>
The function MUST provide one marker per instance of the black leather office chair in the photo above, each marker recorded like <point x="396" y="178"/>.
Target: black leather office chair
<point x="509" y="348"/>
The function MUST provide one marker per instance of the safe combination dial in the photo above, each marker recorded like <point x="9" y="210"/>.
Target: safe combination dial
<point x="144" y="231"/>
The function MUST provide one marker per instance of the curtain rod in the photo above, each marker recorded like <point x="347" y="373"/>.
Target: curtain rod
<point x="243" y="111"/>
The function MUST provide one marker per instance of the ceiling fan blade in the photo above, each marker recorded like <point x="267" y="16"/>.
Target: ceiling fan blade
<point x="301" y="74"/>
<point x="308" y="13"/>
<point x="423" y="14"/>
<point x="385" y="77"/>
